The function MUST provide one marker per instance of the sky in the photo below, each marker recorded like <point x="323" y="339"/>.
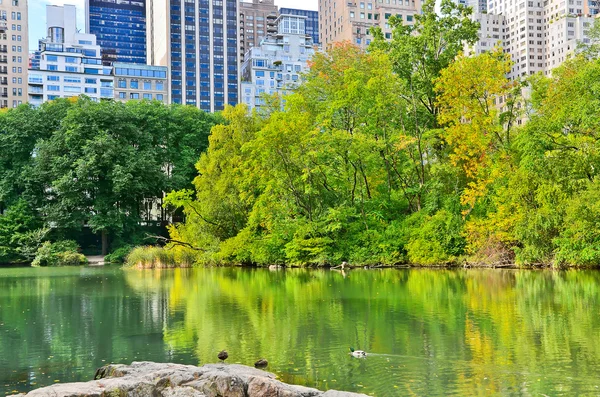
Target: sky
<point x="37" y="14"/>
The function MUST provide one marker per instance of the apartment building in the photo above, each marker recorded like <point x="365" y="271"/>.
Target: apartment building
<point x="257" y="19"/>
<point x="491" y="33"/>
<point x="70" y="62"/>
<point x="198" y="41"/>
<point x="276" y="65"/>
<point x="539" y="35"/>
<point x="120" y="28"/>
<point x="138" y="82"/>
<point x="14" y="52"/>
<point x="311" y="23"/>
<point x="352" y="20"/>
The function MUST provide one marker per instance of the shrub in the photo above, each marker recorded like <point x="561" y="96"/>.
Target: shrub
<point x="60" y="253"/>
<point x="119" y="255"/>
<point x="151" y="257"/>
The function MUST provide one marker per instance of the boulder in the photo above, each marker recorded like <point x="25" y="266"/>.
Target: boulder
<point x="142" y="379"/>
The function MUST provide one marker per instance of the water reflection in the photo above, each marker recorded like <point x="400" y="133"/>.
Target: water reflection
<point x="430" y="332"/>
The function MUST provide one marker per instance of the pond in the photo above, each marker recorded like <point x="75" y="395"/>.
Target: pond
<point x="427" y="332"/>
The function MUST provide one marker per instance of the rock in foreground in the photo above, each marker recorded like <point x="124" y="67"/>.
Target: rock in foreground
<point x="175" y="380"/>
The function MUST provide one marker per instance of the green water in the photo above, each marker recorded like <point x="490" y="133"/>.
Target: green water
<point x="430" y="332"/>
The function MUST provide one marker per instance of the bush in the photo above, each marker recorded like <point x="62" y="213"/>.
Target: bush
<point x="60" y="253"/>
<point x="119" y="255"/>
<point x="151" y="257"/>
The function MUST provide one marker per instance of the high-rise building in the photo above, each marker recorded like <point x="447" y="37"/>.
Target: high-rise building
<point x="276" y="65"/>
<point x="257" y="19"/>
<point x="120" y="28"/>
<point x="352" y="20"/>
<point x="540" y="34"/>
<point x="70" y="62"/>
<point x="311" y="23"/>
<point x="198" y="41"/>
<point x="491" y="33"/>
<point x="14" y="52"/>
<point x="135" y="82"/>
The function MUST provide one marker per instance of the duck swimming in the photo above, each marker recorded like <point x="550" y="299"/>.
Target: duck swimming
<point x="358" y="353"/>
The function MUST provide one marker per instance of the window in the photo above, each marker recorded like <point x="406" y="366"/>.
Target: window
<point x="133" y="84"/>
<point x="53" y="88"/>
<point x="122" y="83"/>
<point x="148" y="96"/>
<point x="91" y="90"/>
<point x="134" y="95"/>
<point x="159" y="97"/>
<point x="122" y="95"/>
<point x="160" y="86"/>
<point x="72" y="89"/>
<point x="147" y="85"/>
<point x="53" y="78"/>
<point x="51" y="58"/>
<point x="91" y="81"/>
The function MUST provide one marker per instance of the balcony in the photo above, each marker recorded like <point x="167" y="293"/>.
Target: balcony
<point x="3" y="70"/>
<point x="3" y="25"/>
<point x="36" y="90"/>
<point x="3" y="49"/>
<point x="3" y="81"/>
<point x="3" y="94"/>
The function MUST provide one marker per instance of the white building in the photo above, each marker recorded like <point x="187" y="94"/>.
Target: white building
<point x="491" y="33"/>
<point x="70" y="62"/>
<point x="540" y="34"/>
<point x="276" y="65"/>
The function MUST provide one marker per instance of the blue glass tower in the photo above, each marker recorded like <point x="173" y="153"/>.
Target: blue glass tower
<point x="312" y="21"/>
<point x="120" y="29"/>
<point x="203" y="53"/>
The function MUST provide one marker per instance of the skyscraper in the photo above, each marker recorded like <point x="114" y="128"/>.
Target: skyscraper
<point x="540" y="34"/>
<point x="257" y="19"/>
<point x="70" y="63"/>
<point x="197" y="39"/>
<point x="312" y="21"/>
<point x="352" y="20"/>
<point x="277" y="64"/>
<point x="14" y="52"/>
<point x="120" y="28"/>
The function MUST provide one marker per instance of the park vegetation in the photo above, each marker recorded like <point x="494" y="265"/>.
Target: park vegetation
<point x="411" y="153"/>
<point x="408" y="153"/>
<point x="76" y="167"/>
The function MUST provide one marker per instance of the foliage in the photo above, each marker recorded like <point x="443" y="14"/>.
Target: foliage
<point x="154" y="257"/>
<point x="71" y="163"/>
<point x="119" y="255"/>
<point x="19" y="233"/>
<point x="60" y="253"/>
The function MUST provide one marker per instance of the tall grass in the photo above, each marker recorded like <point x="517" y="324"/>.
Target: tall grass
<point x="153" y="257"/>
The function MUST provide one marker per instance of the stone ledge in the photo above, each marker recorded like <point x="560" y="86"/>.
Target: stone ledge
<point x="175" y="380"/>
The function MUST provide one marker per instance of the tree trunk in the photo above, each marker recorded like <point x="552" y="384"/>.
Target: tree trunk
<point x="104" y="242"/>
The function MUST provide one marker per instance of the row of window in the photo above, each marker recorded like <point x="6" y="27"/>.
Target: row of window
<point x="135" y="95"/>
<point x="134" y="84"/>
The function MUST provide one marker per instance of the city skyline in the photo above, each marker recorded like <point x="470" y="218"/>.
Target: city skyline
<point x="37" y="15"/>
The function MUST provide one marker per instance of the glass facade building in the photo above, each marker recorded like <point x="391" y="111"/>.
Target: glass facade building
<point x="120" y="28"/>
<point x="203" y="53"/>
<point x="312" y="21"/>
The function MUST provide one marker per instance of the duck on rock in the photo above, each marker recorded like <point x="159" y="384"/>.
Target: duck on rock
<point x="262" y="363"/>
<point x="357" y="353"/>
<point x="223" y="355"/>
